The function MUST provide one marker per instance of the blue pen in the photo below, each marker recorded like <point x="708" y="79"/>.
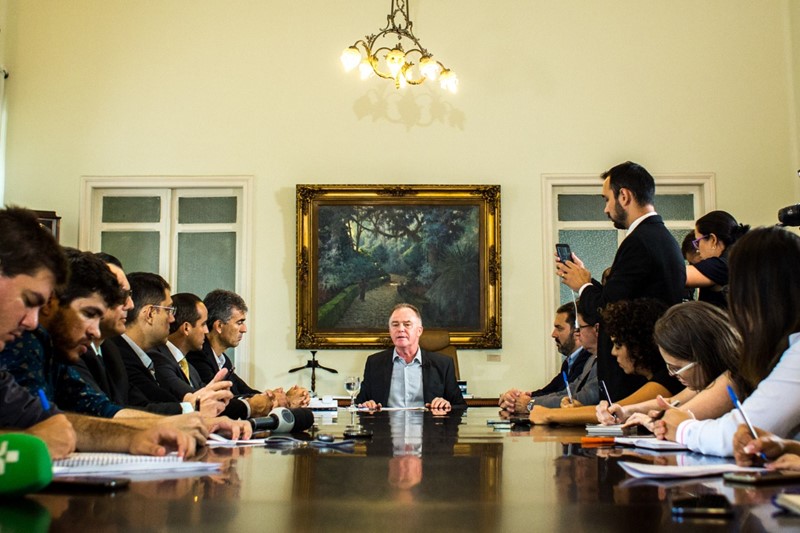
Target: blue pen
<point x="738" y="406"/>
<point x="566" y="382"/>
<point x="43" y="399"/>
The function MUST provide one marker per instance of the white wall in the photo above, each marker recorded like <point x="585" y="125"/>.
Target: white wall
<point x="180" y="87"/>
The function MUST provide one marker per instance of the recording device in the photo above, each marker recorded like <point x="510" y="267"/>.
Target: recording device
<point x="789" y="215"/>
<point x="715" y="505"/>
<point x="283" y="420"/>
<point x="563" y="252"/>
<point x="25" y="464"/>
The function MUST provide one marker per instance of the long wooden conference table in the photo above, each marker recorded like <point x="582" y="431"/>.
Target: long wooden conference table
<point x="419" y="473"/>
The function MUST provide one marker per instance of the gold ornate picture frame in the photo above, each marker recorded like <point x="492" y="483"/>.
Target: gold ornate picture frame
<point x="363" y="248"/>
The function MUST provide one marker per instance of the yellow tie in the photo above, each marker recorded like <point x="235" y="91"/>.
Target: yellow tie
<point x="185" y="367"/>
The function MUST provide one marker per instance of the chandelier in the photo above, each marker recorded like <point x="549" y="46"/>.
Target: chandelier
<point x="389" y="61"/>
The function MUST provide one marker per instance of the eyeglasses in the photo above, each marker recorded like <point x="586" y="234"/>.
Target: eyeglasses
<point x="672" y="372"/>
<point x="584" y="326"/>
<point x="169" y="310"/>
<point x="696" y="242"/>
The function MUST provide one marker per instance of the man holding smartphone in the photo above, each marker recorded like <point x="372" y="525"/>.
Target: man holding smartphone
<point x="648" y="263"/>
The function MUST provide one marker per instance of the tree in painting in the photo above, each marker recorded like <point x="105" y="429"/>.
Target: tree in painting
<point x="372" y="257"/>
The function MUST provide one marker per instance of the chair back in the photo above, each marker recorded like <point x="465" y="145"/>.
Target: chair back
<point x="438" y="340"/>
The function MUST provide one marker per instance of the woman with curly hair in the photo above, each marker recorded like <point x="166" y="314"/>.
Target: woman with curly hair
<point x="630" y="325"/>
<point x="699" y="346"/>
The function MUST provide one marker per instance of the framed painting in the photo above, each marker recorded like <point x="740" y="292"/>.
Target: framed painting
<point x="362" y="249"/>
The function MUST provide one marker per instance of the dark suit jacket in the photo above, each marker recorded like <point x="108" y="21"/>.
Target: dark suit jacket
<point x="206" y="364"/>
<point x="170" y="376"/>
<point x="557" y="383"/>
<point x="438" y="378"/>
<point x="648" y="264"/>
<point x="144" y="391"/>
<point x="106" y="373"/>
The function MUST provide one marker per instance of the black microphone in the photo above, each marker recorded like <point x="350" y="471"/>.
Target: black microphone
<point x="283" y="420"/>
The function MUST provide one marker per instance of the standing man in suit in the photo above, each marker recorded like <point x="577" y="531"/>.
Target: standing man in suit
<point x="406" y="375"/>
<point x="648" y="263"/>
<point x="227" y="324"/>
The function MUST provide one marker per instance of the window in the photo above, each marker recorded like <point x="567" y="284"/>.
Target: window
<point x="190" y="231"/>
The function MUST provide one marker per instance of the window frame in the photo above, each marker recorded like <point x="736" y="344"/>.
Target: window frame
<point x="90" y="227"/>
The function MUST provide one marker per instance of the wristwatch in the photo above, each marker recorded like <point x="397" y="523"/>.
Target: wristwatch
<point x="530" y="404"/>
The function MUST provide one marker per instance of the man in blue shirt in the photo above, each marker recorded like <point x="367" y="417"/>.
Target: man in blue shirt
<point x="406" y="375"/>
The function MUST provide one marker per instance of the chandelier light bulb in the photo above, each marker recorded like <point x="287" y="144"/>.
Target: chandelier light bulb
<point x="350" y="58"/>
<point x="429" y="68"/>
<point x="365" y="69"/>
<point x="448" y="80"/>
<point x="394" y="61"/>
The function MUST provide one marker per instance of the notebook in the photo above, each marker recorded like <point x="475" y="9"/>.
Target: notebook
<point x="80" y="463"/>
<point x="613" y="430"/>
<point x="673" y="471"/>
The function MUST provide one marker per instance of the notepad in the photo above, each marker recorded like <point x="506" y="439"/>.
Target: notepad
<point x="123" y="463"/>
<point x="612" y="430"/>
<point x="650" y="443"/>
<point x="674" y="471"/>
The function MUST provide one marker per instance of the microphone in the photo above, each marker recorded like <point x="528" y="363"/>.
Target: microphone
<point x="25" y="464"/>
<point x="283" y="420"/>
<point x="789" y="215"/>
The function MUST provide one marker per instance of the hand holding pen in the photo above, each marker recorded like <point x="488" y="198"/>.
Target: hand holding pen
<point x="566" y="384"/>
<point x="740" y="409"/>
<point x="747" y="449"/>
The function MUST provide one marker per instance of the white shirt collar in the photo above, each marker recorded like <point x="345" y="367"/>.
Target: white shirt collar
<point x="417" y="356"/>
<point x="146" y="361"/>
<point x="176" y="352"/>
<point x="639" y="221"/>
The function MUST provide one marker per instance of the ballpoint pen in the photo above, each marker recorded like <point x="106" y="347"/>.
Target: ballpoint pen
<point x="608" y="396"/>
<point x="43" y="399"/>
<point x="739" y="408"/>
<point x="566" y="383"/>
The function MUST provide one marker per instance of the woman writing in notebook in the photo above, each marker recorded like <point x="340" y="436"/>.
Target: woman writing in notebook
<point x="630" y="326"/>
<point x="764" y="300"/>
<point x="699" y="347"/>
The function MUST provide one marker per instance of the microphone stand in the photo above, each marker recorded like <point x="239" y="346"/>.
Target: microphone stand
<point x="313" y="364"/>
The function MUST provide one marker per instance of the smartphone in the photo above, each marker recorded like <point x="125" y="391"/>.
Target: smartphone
<point x="88" y="483"/>
<point x="564" y="253"/>
<point x="705" y="505"/>
<point x="759" y="478"/>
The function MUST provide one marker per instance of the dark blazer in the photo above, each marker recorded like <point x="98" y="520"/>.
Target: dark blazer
<point x="438" y="378"/>
<point x="206" y="364"/>
<point x="170" y="376"/>
<point x="557" y="383"/>
<point x="144" y="391"/>
<point x="648" y="264"/>
<point x="106" y="373"/>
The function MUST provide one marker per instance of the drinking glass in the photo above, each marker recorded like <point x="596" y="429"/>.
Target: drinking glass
<point x="353" y="386"/>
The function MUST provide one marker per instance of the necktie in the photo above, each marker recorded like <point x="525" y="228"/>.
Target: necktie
<point x="185" y="367"/>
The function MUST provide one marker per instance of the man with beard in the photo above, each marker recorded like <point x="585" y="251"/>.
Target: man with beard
<point x="579" y="364"/>
<point x="38" y="361"/>
<point x="648" y="264"/>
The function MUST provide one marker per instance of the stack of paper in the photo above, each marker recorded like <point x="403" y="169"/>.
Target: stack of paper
<point x="673" y="471"/>
<point x="614" y="430"/>
<point x="790" y="502"/>
<point x="326" y="403"/>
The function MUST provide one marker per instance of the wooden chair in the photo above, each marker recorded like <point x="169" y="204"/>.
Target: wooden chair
<point x="438" y="340"/>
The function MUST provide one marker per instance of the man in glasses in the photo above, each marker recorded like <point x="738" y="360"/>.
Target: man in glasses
<point x="579" y="364"/>
<point x="147" y="326"/>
